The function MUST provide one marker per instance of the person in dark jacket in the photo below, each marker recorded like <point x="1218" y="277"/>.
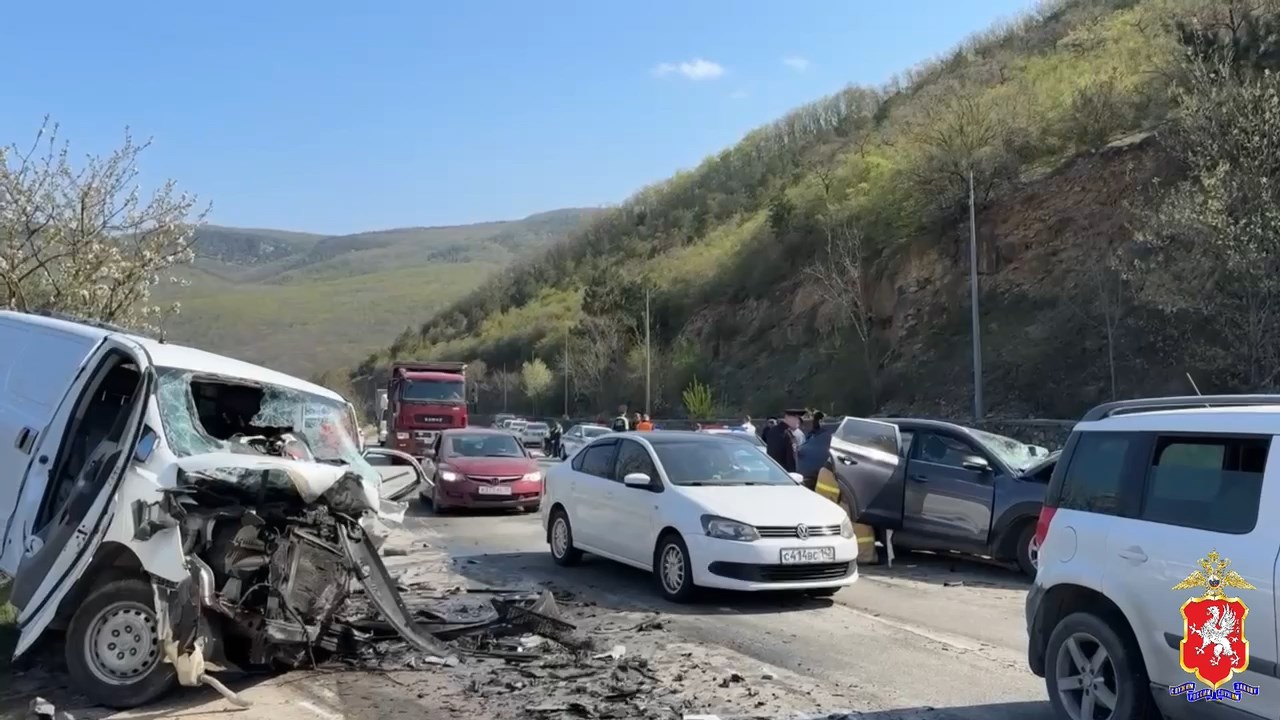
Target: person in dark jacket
<point x="813" y="454"/>
<point x="553" y="439"/>
<point x="782" y="440"/>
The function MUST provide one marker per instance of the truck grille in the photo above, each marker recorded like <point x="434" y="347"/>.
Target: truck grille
<point x="789" y="531"/>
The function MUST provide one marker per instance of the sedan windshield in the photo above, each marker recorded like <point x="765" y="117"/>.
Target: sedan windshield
<point x="485" y="445"/>
<point x="717" y="462"/>
<point x="592" y="432"/>
<point x="1016" y="455"/>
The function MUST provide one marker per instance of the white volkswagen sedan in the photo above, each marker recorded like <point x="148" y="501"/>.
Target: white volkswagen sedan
<point x="698" y="510"/>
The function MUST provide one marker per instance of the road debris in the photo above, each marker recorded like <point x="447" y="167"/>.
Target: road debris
<point x="41" y="709"/>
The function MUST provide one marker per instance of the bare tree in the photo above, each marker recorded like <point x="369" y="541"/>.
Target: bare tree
<point x="596" y="346"/>
<point x="841" y="277"/>
<point x="84" y="240"/>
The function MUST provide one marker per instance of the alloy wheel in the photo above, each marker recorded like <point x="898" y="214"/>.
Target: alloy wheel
<point x="672" y="569"/>
<point x="1088" y="685"/>
<point x="559" y="537"/>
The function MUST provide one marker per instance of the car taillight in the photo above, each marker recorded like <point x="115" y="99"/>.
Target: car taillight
<point x="1042" y="524"/>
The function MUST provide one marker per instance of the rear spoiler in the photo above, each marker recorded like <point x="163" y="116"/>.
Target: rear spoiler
<point x="398" y="368"/>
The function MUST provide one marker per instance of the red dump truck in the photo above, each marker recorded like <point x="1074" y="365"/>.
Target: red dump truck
<point x="423" y="399"/>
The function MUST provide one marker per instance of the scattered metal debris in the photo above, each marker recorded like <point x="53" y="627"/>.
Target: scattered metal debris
<point x="41" y="709"/>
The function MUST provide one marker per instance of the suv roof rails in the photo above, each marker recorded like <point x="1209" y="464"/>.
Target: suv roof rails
<point x="1123" y="407"/>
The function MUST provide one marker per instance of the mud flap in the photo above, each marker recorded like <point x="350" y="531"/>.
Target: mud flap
<point x="382" y="592"/>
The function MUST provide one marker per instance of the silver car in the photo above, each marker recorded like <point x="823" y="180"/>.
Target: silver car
<point x="577" y="436"/>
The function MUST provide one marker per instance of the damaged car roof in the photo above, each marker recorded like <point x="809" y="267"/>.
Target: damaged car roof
<point x="164" y="354"/>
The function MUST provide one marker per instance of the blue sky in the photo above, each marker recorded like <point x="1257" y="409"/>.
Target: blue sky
<point x="333" y="117"/>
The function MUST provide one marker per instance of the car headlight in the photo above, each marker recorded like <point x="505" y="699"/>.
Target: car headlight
<point x="402" y="436"/>
<point x="846" y="528"/>
<point x="726" y="529"/>
<point x="532" y="477"/>
<point x="450" y="476"/>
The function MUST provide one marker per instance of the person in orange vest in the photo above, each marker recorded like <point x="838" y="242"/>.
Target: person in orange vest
<point x="645" y="424"/>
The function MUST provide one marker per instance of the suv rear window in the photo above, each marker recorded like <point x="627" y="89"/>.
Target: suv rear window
<point x="1205" y="482"/>
<point x="1095" y="479"/>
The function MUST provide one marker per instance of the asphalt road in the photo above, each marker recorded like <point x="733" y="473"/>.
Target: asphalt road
<point x="936" y="638"/>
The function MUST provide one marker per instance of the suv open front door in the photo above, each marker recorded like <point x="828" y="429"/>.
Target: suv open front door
<point x="67" y="498"/>
<point x="867" y="463"/>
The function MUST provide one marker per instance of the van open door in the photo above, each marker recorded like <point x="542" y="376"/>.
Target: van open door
<point x="67" y="495"/>
<point x="867" y="462"/>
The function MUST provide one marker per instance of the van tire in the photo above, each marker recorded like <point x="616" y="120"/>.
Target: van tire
<point x="123" y="609"/>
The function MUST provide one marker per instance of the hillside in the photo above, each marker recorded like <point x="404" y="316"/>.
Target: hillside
<point x="273" y="297"/>
<point x="1124" y="169"/>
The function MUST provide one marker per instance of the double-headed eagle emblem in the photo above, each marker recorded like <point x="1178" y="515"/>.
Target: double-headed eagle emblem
<point x="1213" y="576"/>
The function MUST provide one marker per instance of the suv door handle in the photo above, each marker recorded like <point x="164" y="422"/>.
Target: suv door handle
<point x="845" y="460"/>
<point x="1134" y="554"/>
<point x="920" y="478"/>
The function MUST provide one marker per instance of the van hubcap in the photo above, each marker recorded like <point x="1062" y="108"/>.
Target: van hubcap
<point x="121" y="644"/>
<point x="560" y="537"/>
<point x="1087" y="682"/>
<point x="672" y="569"/>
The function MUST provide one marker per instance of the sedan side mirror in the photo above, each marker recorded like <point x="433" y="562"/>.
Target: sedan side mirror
<point x="976" y="464"/>
<point x="641" y="480"/>
<point x="797" y="477"/>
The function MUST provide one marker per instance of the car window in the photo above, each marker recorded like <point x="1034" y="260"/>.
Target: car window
<point x="907" y="436"/>
<point x="1207" y="483"/>
<point x="596" y="459"/>
<point x="719" y="462"/>
<point x="872" y="434"/>
<point x="595" y="431"/>
<point x="484" y="445"/>
<point x="633" y="458"/>
<point x="943" y="450"/>
<point x="1095" y="477"/>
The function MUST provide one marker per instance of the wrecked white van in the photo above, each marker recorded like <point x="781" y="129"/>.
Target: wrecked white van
<point x="176" y="512"/>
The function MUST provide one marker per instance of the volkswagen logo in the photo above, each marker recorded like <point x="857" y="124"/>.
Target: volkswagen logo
<point x="802" y="532"/>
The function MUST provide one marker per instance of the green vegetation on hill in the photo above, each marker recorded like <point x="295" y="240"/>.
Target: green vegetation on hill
<point x="304" y="303"/>
<point x="1122" y="161"/>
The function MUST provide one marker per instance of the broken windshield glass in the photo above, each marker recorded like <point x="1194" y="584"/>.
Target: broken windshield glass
<point x="202" y="413"/>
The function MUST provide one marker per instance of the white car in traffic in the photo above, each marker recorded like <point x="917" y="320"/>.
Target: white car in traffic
<point x="578" y="436"/>
<point x="698" y="510"/>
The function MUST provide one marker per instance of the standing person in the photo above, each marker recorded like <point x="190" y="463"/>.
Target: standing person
<point x="784" y="439"/>
<point x="748" y="426"/>
<point x="620" y="423"/>
<point x="645" y="425"/>
<point x="553" y="438"/>
<point x="768" y="424"/>
<point x="813" y="454"/>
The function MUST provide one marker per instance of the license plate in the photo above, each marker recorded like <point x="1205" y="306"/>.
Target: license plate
<point x="801" y="556"/>
<point x="494" y="489"/>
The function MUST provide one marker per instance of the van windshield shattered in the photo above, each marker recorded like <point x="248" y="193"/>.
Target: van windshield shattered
<point x="202" y="413"/>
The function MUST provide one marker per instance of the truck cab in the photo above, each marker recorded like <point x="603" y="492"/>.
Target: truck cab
<point x="424" y="398"/>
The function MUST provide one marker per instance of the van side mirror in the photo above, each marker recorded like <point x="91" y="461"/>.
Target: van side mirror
<point x="976" y="464"/>
<point x="641" y="480"/>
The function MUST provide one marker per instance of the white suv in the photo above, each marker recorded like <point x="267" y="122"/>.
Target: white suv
<point x="1149" y="495"/>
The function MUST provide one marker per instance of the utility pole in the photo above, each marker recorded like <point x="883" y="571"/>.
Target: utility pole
<point x="566" y="370"/>
<point x="973" y="303"/>
<point x="647" y="364"/>
<point x="504" y="387"/>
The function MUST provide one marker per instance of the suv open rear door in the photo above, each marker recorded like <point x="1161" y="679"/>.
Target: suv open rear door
<point x="867" y="462"/>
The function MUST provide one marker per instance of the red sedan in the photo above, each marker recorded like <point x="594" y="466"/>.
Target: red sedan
<point x="483" y="468"/>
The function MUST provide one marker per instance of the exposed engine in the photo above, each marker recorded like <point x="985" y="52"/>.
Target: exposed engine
<point x="277" y="565"/>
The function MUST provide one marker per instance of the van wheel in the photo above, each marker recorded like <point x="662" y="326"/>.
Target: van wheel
<point x="1028" y="550"/>
<point x="113" y="646"/>
<point x="1092" y="672"/>
<point x="561" y="539"/>
<point x="673" y="570"/>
